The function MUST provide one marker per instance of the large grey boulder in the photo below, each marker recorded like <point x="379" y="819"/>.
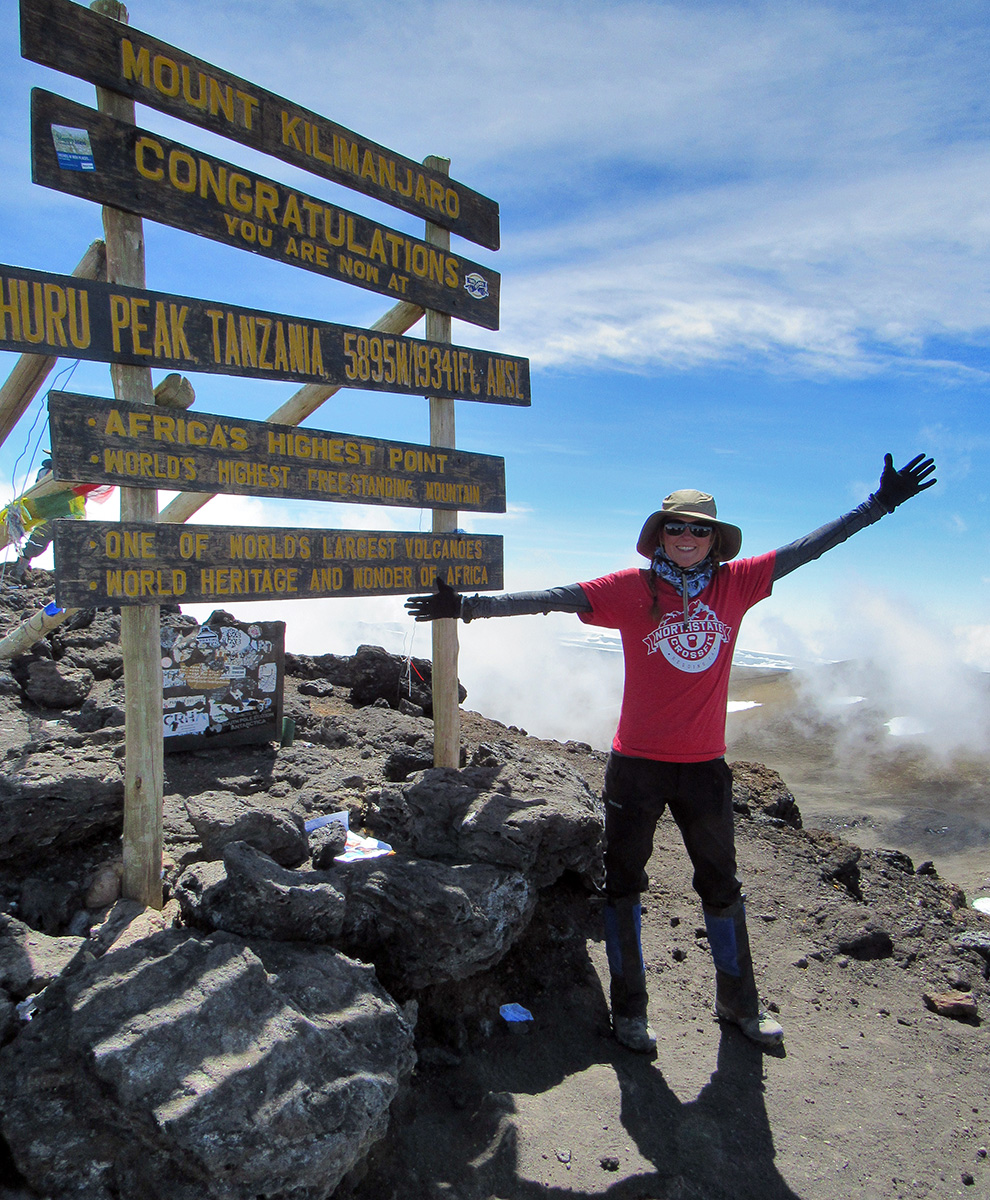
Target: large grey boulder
<point x="91" y="639"/>
<point x="419" y="922"/>
<point x="758" y="790"/>
<point x="220" y="818"/>
<point x="57" y="685"/>
<point x="203" y="1069"/>
<point x="248" y="893"/>
<point x="376" y="675"/>
<point x="531" y="814"/>
<point x="423" y="923"/>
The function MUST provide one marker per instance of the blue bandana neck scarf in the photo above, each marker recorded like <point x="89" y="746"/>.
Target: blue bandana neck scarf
<point x="687" y="583"/>
<point x="692" y="581"/>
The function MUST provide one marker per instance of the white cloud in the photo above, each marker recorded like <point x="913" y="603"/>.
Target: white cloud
<point x="846" y="276"/>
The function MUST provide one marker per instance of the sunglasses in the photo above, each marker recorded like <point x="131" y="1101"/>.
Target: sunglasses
<point x="677" y="528"/>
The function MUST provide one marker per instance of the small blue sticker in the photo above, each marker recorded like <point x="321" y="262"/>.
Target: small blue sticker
<point x="73" y="149"/>
<point x="476" y="285"/>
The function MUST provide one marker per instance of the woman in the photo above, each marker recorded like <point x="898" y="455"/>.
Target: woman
<point x="679" y="620"/>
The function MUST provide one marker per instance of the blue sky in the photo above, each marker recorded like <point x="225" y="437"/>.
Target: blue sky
<point x="745" y="247"/>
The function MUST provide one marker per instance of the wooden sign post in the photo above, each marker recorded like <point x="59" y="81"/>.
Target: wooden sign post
<point x="107" y="441"/>
<point x="140" y="626"/>
<point x="297" y="408"/>
<point x="31" y="370"/>
<point x="136" y="563"/>
<point x="446" y="705"/>
<point x="62" y="35"/>
<point x="146" y="559"/>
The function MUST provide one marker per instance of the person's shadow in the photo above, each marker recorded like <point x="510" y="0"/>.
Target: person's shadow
<point x="718" y="1146"/>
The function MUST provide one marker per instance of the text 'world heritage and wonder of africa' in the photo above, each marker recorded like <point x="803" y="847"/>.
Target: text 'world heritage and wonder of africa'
<point x="103" y="563"/>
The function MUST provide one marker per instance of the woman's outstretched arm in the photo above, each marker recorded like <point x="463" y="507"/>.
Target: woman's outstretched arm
<point x="896" y="486"/>
<point x="445" y="602"/>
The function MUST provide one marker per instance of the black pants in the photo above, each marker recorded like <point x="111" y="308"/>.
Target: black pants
<point x="699" y="795"/>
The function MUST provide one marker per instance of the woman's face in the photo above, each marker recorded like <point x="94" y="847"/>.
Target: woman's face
<point x="681" y="543"/>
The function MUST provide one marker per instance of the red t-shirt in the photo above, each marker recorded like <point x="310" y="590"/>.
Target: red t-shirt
<point x="676" y="678"/>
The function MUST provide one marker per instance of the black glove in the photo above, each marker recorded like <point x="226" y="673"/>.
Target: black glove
<point x="445" y="602"/>
<point x="898" y="486"/>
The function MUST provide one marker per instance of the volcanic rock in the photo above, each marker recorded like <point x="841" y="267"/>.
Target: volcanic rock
<point x="325" y="843"/>
<point x="220" y="818"/>
<point x="758" y="790"/>
<point x="534" y="816"/>
<point x="419" y="922"/>
<point x="29" y="960"/>
<point x="51" y="799"/>
<point x="203" y="1069"/>
<point x="57" y="685"/>
<point x="961" y="1005"/>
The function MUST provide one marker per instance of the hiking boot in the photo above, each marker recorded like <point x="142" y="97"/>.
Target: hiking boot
<point x="761" y="1029"/>
<point x="635" y="1034"/>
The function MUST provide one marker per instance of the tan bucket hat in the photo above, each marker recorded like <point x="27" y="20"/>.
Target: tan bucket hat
<point x="687" y="504"/>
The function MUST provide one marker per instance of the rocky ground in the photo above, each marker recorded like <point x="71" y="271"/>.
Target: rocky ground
<point x="876" y="966"/>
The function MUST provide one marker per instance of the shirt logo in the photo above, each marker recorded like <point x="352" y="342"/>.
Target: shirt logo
<point x="690" y="647"/>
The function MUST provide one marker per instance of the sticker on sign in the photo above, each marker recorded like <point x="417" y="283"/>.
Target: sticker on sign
<point x="73" y="149"/>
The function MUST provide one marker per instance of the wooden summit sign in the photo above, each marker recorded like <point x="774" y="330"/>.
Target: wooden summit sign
<point x="105" y="563"/>
<point x="75" y="40"/>
<point x="137" y="445"/>
<point x="77" y="150"/>
<point x="43" y="313"/>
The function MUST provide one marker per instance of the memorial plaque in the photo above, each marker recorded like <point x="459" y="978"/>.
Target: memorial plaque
<point x="137" y="445"/>
<point x="99" y="563"/>
<point x="79" y="42"/>
<point x="42" y="313"/>
<point x="77" y="150"/>
<point x="222" y="684"/>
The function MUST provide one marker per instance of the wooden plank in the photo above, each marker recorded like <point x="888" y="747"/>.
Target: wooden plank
<point x="68" y="38"/>
<point x="83" y="153"/>
<point x="45" y="313"/>
<point x="105" y="441"/>
<point x="20" y="639"/>
<point x="297" y="408"/>
<point x="31" y="371"/>
<point x="131" y="563"/>
<point x="140" y="639"/>
<point x="48" y="485"/>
